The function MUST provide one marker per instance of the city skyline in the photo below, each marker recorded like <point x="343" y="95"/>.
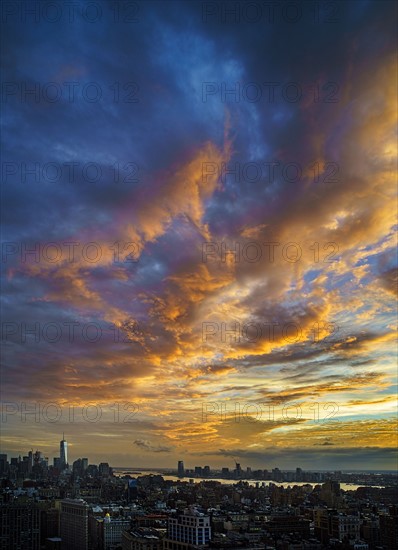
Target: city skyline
<point x="181" y="469"/>
<point x="199" y="233"/>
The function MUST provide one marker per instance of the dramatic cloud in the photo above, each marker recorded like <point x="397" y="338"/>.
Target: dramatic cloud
<point x="146" y="445"/>
<point x="199" y="235"/>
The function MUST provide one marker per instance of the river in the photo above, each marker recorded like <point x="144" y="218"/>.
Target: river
<point x="137" y="473"/>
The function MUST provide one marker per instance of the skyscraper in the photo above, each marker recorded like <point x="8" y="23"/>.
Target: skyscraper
<point x="63" y="453"/>
<point x="3" y="464"/>
<point x="20" y="526"/>
<point x="181" y="470"/>
<point x="74" y="524"/>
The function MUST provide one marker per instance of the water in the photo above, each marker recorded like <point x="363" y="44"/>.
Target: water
<point x="136" y="473"/>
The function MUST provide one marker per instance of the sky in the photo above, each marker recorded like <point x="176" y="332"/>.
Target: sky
<point x="199" y="232"/>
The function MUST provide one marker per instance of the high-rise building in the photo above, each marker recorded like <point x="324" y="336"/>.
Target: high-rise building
<point x="3" y="464"/>
<point x="74" y="524"/>
<point x="63" y="453"/>
<point x="186" y="530"/>
<point x="19" y="526"/>
<point x="299" y="474"/>
<point x="345" y="525"/>
<point x="370" y="530"/>
<point x="277" y="474"/>
<point x="132" y="490"/>
<point x="389" y="528"/>
<point x="330" y="494"/>
<point x="106" y="532"/>
<point x="104" y="469"/>
<point x="181" y="469"/>
<point x="329" y="523"/>
<point x="113" y="529"/>
<point x="30" y="461"/>
<point x="323" y="524"/>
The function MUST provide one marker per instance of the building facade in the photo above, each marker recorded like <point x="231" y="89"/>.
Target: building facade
<point x="74" y="524"/>
<point x="19" y="527"/>
<point x="187" y="529"/>
<point x="63" y="453"/>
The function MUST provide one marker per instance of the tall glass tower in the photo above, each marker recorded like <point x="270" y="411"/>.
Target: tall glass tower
<point x="63" y="452"/>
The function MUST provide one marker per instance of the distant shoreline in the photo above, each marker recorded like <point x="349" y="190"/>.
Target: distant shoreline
<point x="173" y="476"/>
<point x="171" y="471"/>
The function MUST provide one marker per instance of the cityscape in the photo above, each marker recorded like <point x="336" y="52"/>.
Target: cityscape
<point x="84" y="506"/>
<point x="199" y="275"/>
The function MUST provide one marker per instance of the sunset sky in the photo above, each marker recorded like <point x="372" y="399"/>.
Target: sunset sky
<point x="165" y="134"/>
